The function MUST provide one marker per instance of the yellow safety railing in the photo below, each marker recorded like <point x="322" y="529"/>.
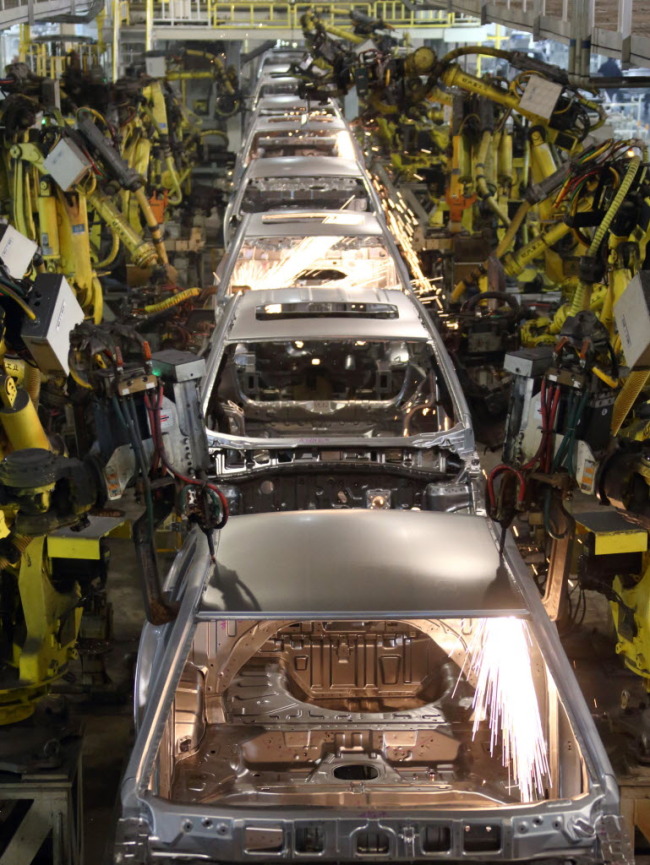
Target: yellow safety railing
<point x="286" y="16"/>
<point x="181" y="12"/>
<point x="48" y="65"/>
<point x="259" y="15"/>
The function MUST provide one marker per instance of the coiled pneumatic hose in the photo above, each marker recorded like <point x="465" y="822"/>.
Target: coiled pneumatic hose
<point x="181" y="297"/>
<point x="581" y="297"/>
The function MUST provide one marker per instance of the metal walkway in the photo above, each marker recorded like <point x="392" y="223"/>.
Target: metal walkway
<point x="209" y="19"/>
<point x="32" y="11"/>
<point x="619" y="28"/>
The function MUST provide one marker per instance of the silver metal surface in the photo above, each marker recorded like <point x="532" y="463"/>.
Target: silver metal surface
<point x="459" y="437"/>
<point x="255" y="227"/>
<point x="224" y="795"/>
<point x="304" y="166"/>
<point x="246" y="324"/>
<point x="300" y="545"/>
<point x="311" y="223"/>
<point x="331" y="168"/>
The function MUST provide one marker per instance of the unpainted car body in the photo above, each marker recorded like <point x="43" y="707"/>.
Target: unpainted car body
<point x="301" y="183"/>
<point x="279" y="60"/>
<point x="312" y="702"/>
<point x="287" y="105"/>
<point x="327" y="397"/>
<point x="321" y="694"/>
<point x="269" y="138"/>
<point x="274" y="84"/>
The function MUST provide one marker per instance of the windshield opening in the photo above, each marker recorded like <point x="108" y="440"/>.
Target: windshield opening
<point x="371" y="388"/>
<point x="319" y="191"/>
<point x="324" y="261"/>
<point x="282" y="112"/>
<point x="273" y="88"/>
<point x="299" y="142"/>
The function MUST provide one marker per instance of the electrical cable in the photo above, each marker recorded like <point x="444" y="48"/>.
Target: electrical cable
<point x="129" y="422"/>
<point x="11" y="294"/>
<point x="189" y="481"/>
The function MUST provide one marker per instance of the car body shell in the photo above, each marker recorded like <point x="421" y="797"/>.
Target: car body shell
<point x="239" y="323"/>
<point x="291" y="167"/>
<point x="287" y="105"/>
<point x="342" y="566"/>
<point x="274" y="84"/>
<point x="325" y="125"/>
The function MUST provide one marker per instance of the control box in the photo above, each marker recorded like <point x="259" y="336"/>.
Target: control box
<point x="58" y="312"/>
<point x="632" y="314"/>
<point x="16" y="251"/>
<point x="156" y="67"/>
<point x="66" y="164"/>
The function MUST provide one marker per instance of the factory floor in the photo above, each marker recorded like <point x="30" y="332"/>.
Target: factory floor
<point x="109" y="730"/>
<point x="108" y="725"/>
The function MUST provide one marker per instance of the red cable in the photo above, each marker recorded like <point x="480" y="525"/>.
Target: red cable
<point x="187" y="480"/>
<point x="500" y="469"/>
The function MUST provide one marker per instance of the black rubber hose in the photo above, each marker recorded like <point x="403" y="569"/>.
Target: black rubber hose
<point x="509" y="299"/>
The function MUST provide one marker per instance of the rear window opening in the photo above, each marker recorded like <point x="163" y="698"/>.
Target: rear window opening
<point x="390" y="715"/>
<point x="327" y="192"/>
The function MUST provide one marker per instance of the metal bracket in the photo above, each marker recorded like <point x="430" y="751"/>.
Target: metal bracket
<point x="614" y="839"/>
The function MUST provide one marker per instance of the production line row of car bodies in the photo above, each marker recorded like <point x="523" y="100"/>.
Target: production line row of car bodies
<point x="365" y="672"/>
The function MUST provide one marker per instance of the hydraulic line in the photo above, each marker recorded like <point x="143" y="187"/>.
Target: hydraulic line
<point x="176" y="193"/>
<point x="152" y="223"/>
<point x="32" y="382"/>
<point x="475" y="49"/>
<point x="144" y="254"/>
<point x="19" y="196"/>
<point x="630" y="391"/>
<point x="481" y="180"/>
<point x="9" y="292"/>
<point x="613" y="209"/>
<point x="112" y="255"/>
<point x="98" y="300"/>
<point x="29" y="215"/>
<point x="508" y="238"/>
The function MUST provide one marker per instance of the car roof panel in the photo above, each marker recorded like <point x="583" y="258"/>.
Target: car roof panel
<point x="371" y="563"/>
<point x="311" y="223"/>
<point x="247" y="326"/>
<point x="304" y="166"/>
